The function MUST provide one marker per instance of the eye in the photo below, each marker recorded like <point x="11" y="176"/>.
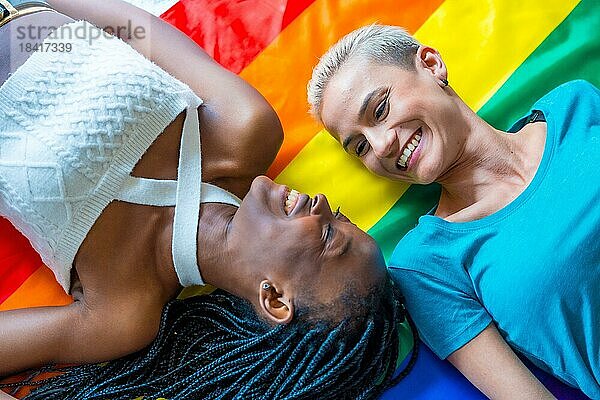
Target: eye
<point x="382" y="109"/>
<point x="336" y="213"/>
<point x="362" y="148"/>
<point x="328" y="233"/>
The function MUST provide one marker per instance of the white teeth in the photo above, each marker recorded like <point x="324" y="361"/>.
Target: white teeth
<point x="291" y="200"/>
<point x="408" y="150"/>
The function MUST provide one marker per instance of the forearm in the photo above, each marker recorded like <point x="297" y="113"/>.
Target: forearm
<point x="32" y="337"/>
<point x="169" y="48"/>
<point x="119" y="18"/>
<point x="156" y="39"/>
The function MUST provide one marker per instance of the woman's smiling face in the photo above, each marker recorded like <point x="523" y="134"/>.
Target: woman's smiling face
<point x="397" y="121"/>
<point x="297" y="240"/>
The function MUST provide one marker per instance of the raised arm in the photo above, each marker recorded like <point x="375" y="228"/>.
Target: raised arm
<point x="77" y="333"/>
<point x="491" y="365"/>
<point x="232" y="108"/>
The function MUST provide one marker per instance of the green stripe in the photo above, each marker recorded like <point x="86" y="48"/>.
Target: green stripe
<point x="402" y="217"/>
<point x="571" y="51"/>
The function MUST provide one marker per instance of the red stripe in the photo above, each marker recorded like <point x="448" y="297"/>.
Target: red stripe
<point x="293" y="10"/>
<point x="18" y="260"/>
<point x="234" y="33"/>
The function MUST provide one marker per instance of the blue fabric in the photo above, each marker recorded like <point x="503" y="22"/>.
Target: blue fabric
<point x="433" y="379"/>
<point x="533" y="268"/>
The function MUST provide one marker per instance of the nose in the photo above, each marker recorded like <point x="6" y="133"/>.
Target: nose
<point x="320" y="206"/>
<point x="382" y="141"/>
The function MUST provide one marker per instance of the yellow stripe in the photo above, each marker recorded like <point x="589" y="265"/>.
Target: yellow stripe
<point x="482" y="44"/>
<point x="323" y="167"/>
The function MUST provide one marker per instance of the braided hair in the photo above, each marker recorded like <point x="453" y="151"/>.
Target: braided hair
<point x="217" y="347"/>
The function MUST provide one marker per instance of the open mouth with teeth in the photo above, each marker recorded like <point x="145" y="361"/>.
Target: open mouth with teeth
<point x="408" y="150"/>
<point x="291" y="200"/>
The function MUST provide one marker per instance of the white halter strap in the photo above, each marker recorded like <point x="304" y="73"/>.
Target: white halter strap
<point x="186" y="194"/>
<point x="159" y="192"/>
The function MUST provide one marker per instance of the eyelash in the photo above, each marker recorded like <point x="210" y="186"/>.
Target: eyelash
<point x="328" y="232"/>
<point x="383" y="106"/>
<point x="362" y="148"/>
<point x="329" y="229"/>
<point x="380" y="110"/>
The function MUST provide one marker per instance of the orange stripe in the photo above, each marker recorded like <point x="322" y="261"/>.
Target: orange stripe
<point x="40" y="289"/>
<point x="286" y="65"/>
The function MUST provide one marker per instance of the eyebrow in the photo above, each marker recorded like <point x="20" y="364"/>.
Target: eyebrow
<point x="361" y="114"/>
<point x="347" y="142"/>
<point x="366" y="102"/>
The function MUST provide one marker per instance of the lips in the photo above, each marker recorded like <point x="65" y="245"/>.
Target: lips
<point x="409" y="148"/>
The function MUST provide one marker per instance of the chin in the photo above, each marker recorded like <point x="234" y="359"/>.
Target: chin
<point x="398" y="177"/>
<point x="423" y="181"/>
<point x="422" y="174"/>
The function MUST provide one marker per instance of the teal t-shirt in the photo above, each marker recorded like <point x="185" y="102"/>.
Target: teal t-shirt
<point x="533" y="267"/>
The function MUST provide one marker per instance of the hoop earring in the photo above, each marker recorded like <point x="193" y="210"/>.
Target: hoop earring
<point x="445" y="82"/>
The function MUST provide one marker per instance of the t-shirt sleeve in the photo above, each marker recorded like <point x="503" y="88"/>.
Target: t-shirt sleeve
<point x="447" y="313"/>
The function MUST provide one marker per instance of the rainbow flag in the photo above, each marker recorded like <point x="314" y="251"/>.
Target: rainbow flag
<point x="502" y="55"/>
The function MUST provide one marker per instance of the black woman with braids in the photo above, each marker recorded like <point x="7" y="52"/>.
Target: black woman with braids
<point x="101" y="169"/>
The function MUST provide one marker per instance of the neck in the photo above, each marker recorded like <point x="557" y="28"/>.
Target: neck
<point x="214" y="258"/>
<point x="491" y="165"/>
<point x="220" y="265"/>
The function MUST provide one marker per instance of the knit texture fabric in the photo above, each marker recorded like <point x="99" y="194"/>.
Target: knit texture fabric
<point x="73" y="124"/>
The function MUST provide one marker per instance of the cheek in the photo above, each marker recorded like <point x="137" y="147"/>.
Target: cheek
<point x="303" y="241"/>
<point x="372" y="163"/>
<point x="253" y="227"/>
<point x="375" y="165"/>
<point x="435" y="155"/>
<point x="293" y="241"/>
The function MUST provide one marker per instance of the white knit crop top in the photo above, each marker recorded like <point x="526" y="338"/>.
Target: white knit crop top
<point x="73" y="124"/>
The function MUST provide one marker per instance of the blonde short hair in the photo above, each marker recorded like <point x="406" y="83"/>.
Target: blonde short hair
<point x="384" y="44"/>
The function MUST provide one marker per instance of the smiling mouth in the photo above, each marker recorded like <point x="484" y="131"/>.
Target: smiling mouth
<point x="407" y="151"/>
<point x="291" y="200"/>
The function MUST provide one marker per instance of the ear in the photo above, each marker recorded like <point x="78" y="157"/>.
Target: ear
<point x="431" y="61"/>
<point x="274" y="304"/>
